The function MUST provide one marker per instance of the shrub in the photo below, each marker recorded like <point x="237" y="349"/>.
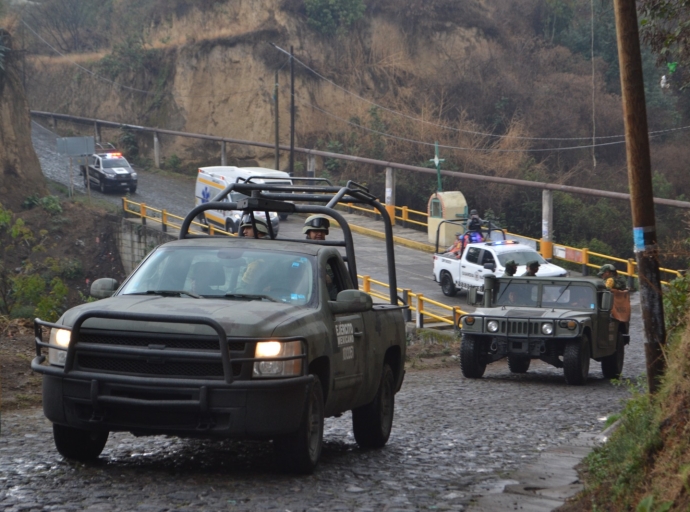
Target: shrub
<point x="173" y="162"/>
<point x="333" y="16"/>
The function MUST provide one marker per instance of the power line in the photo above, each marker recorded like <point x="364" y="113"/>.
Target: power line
<point x="470" y="132"/>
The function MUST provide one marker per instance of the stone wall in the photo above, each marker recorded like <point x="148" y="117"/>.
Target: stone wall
<point x="136" y="240"/>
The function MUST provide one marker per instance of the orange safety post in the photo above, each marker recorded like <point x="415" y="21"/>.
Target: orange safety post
<point x="420" y="310"/>
<point x="546" y="247"/>
<point x="390" y="208"/>
<point x="585" y="261"/>
<point x="142" y="213"/>
<point x="211" y="230"/>
<point x="405" y="216"/>
<point x="366" y="284"/>
<point x="164" y="220"/>
<point x="631" y="273"/>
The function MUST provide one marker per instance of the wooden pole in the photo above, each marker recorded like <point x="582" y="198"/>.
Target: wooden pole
<point x="277" y="116"/>
<point x="640" y="183"/>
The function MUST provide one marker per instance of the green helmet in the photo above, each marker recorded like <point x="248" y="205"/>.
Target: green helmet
<point x="260" y="223"/>
<point x="606" y="267"/>
<point x="533" y="263"/>
<point x="511" y="263"/>
<point x="316" y="223"/>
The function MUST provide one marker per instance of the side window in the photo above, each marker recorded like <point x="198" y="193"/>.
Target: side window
<point x="473" y="255"/>
<point x="487" y="257"/>
<point x="334" y="279"/>
<point x="436" y="209"/>
<point x="97" y="163"/>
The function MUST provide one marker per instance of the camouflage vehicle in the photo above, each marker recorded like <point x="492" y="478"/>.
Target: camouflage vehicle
<point x="562" y="321"/>
<point x="219" y="336"/>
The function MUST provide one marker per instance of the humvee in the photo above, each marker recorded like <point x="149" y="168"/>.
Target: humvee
<point x="562" y="321"/>
<point x="190" y="346"/>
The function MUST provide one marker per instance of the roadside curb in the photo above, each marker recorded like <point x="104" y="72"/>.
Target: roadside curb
<point x="547" y="483"/>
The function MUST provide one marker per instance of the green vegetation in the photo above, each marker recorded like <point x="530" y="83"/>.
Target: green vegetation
<point x="333" y="16"/>
<point x="645" y="465"/>
<point x="36" y="287"/>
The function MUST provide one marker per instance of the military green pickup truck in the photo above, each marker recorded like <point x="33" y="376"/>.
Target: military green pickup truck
<point x="562" y="321"/>
<point x="218" y="336"/>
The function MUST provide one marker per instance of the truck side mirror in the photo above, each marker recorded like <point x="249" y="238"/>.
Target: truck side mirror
<point x="490" y="266"/>
<point x="351" y="301"/>
<point x="606" y="301"/>
<point x="472" y="296"/>
<point x="103" y="288"/>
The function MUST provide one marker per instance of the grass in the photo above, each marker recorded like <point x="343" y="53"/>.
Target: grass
<point x="645" y="465"/>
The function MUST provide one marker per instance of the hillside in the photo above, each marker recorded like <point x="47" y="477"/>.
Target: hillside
<point x="506" y="84"/>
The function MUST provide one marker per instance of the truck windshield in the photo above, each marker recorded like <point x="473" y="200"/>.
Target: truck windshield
<point x="111" y="163"/>
<point x="568" y="296"/>
<point x="228" y="273"/>
<point x="512" y="293"/>
<point x="520" y="257"/>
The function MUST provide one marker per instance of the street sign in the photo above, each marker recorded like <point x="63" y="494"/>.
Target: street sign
<point x="76" y="146"/>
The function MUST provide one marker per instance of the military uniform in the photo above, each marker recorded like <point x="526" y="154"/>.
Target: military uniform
<point x="614" y="281"/>
<point x="511" y="268"/>
<point x="532" y="269"/>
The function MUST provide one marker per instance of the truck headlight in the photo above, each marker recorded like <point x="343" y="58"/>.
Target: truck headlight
<point x="61" y="338"/>
<point x="492" y="326"/>
<point x="547" y="328"/>
<point x="277" y="349"/>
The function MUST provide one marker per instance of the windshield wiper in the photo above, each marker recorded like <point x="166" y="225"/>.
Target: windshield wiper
<point x="167" y="293"/>
<point x="561" y="295"/>
<point x="248" y="297"/>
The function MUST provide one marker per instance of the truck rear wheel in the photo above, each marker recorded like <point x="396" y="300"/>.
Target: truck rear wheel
<point x="372" y="423"/>
<point x="101" y="186"/>
<point x="612" y="366"/>
<point x="576" y="361"/>
<point x="447" y="285"/>
<point x="472" y="363"/>
<point x="518" y="364"/>
<point x="300" y="452"/>
<point x="78" y="444"/>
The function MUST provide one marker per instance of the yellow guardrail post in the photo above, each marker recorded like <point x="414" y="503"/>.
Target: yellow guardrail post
<point x="420" y="311"/>
<point x="456" y="318"/>
<point x="585" y="262"/>
<point x="405" y="216"/>
<point x="124" y="206"/>
<point x="391" y="213"/>
<point x="164" y="220"/>
<point x="142" y="213"/>
<point x="631" y="274"/>
<point x="546" y="247"/>
<point x="366" y="284"/>
<point x="407" y="314"/>
<point x="349" y="207"/>
<point x="211" y="230"/>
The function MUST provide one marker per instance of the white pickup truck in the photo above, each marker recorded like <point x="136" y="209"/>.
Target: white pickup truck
<point x="479" y="259"/>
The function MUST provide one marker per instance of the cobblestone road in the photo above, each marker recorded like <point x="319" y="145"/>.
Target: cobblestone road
<point x="453" y="439"/>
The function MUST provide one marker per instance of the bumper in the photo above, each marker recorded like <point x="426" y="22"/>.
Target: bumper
<point x="151" y="406"/>
<point x="111" y="183"/>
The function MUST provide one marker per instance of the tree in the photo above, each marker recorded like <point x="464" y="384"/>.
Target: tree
<point x="331" y="16"/>
<point x="66" y="24"/>
<point x="665" y="26"/>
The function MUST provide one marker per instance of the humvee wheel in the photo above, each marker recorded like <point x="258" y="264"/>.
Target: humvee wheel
<point x="372" y="423"/>
<point x="576" y="361"/>
<point x="447" y="285"/>
<point x="78" y="444"/>
<point x="300" y="452"/>
<point x="518" y="364"/>
<point x="471" y="362"/>
<point x="612" y="366"/>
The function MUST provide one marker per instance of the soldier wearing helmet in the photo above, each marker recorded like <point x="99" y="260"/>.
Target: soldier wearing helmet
<point x="316" y="227"/>
<point x="247" y="227"/>
<point x="611" y="278"/>
<point x="532" y="268"/>
<point x="511" y="268"/>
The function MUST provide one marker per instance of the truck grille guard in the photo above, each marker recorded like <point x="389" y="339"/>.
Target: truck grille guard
<point x="132" y="347"/>
<point x="525" y="328"/>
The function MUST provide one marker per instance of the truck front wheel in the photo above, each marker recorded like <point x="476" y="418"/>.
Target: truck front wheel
<point x="372" y="423"/>
<point x="300" y="452"/>
<point x="576" y="361"/>
<point x="78" y="444"/>
<point x="472" y="363"/>
<point x="447" y="285"/>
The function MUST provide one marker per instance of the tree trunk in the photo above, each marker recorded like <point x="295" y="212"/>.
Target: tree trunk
<point x="20" y="171"/>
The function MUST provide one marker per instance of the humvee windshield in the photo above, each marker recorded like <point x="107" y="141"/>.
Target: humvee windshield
<point x="229" y="273"/>
<point x="566" y="295"/>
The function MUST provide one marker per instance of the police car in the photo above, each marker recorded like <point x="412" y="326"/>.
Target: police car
<point x="479" y="259"/>
<point x="109" y="170"/>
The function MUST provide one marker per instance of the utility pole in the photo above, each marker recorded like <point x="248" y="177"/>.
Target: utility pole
<point x="275" y="99"/>
<point x="292" y="113"/>
<point x="640" y="183"/>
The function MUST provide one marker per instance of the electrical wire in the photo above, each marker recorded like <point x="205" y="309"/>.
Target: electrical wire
<point x="469" y="132"/>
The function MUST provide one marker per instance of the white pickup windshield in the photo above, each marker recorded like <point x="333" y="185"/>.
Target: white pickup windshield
<point x="232" y="273"/>
<point x="521" y="257"/>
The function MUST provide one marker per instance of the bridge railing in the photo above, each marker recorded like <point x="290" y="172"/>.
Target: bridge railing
<point x="166" y="219"/>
